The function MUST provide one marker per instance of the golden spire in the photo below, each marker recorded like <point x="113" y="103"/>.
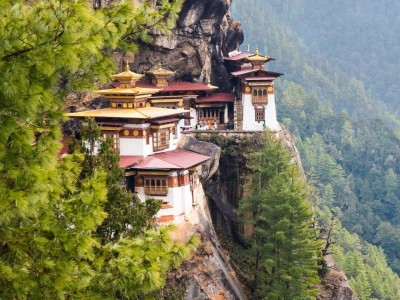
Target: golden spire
<point x="127" y="78"/>
<point x="257" y="53"/>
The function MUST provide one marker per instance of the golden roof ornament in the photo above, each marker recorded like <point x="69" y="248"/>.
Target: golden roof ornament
<point x="160" y="71"/>
<point x="256" y="57"/>
<point x="127" y="78"/>
<point x="159" y="76"/>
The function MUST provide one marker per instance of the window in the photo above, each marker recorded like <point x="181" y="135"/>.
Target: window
<point x="193" y="179"/>
<point x="260" y="95"/>
<point x="156" y="185"/>
<point x="187" y="119"/>
<point x="161" y="139"/>
<point x="260" y="113"/>
<point x="114" y="136"/>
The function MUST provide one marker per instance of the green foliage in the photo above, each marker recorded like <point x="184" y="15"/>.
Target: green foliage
<point x="341" y="32"/>
<point x="365" y="266"/>
<point x="49" y="214"/>
<point x="284" y="240"/>
<point x="142" y="263"/>
<point x="350" y="165"/>
<point x="126" y="214"/>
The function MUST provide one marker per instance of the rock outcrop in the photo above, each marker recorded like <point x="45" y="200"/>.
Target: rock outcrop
<point x="204" y="33"/>
<point x="335" y="285"/>
<point x="190" y="143"/>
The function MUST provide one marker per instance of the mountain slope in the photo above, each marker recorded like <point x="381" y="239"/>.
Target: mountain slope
<point x="266" y="29"/>
<point x="359" y="37"/>
<point x="350" y="151"/>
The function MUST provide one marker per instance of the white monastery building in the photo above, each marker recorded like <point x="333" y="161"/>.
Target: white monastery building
<point x="147" y="114"/>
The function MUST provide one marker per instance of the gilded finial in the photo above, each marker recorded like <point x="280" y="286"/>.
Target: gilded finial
<point x="257" y="53"/>
<point x="248" y="47"/>
<point x="127" y="66"/>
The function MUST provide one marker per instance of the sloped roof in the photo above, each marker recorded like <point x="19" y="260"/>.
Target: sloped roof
<point x="262" y="71"/>
<point x="126" y="161"/>
<point x="257" y="78"/>
<point x="128" y="113"/>
<point x="217" y="97"/>
<point x="171" y="160"/>
<point x="238" y="56"/>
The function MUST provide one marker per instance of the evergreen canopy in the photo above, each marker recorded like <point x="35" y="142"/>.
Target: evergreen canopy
<point x="48" y="215"/>
<point x="284" y="238"/>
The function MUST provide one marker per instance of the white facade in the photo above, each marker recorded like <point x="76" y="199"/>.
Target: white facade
<point x="249" y="115"/>
<point x="139" y="146"/>
<point x="180" y="198"/>
<point x="270" y="114"/>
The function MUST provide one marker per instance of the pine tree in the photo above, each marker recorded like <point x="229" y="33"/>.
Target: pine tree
<point x="284" y="242"/>
<point x="126" y="214"/>
<point x="48" y="214"/>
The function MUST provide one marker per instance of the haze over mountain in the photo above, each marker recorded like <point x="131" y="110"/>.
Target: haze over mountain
<point x="358" y="37"/>
<point x="344" y="52"/>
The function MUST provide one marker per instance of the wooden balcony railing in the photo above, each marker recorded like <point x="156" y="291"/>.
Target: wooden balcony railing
<point x="156" y="190"/>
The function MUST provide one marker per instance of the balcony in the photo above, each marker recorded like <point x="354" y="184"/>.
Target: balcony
<point x="156" y="190"/>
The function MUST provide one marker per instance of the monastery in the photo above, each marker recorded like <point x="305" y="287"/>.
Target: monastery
<point x="148" y="113"/>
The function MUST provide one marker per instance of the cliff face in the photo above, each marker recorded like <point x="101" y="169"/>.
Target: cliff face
<point x="204" y="33"/>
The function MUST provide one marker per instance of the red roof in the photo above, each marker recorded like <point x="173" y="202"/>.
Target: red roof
<point x="243" y="72"/>
<point x="126" y="161"/>
<point x="262" y="71"/>
<point x="166" y="121"/>
<point x="238" y="57"/>
<point x="217" y="97"/>
<point x="259" y="78"/>
<point x="179" y="86"/>
<point x="176" y="159"/>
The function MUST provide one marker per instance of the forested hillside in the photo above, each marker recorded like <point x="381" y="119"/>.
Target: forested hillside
<point x="350" y="152"/>
<point x="330" y="83"/>
<point x="359" y="37"/>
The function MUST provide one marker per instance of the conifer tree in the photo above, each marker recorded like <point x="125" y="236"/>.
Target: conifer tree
<point x="126" y="214"/>
<point x="48" y="214"/>
<point x="284" y="240"/>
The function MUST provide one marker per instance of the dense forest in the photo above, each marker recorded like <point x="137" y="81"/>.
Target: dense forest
<point x="344" y="131"/>
<point x="358" y="37"/>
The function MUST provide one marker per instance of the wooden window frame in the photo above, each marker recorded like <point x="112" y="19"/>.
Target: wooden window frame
<point x="259" y="95"/>
<point x="161" y="139"/>
<point x="259" y="114"/>
<point x="156" y="185"/>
